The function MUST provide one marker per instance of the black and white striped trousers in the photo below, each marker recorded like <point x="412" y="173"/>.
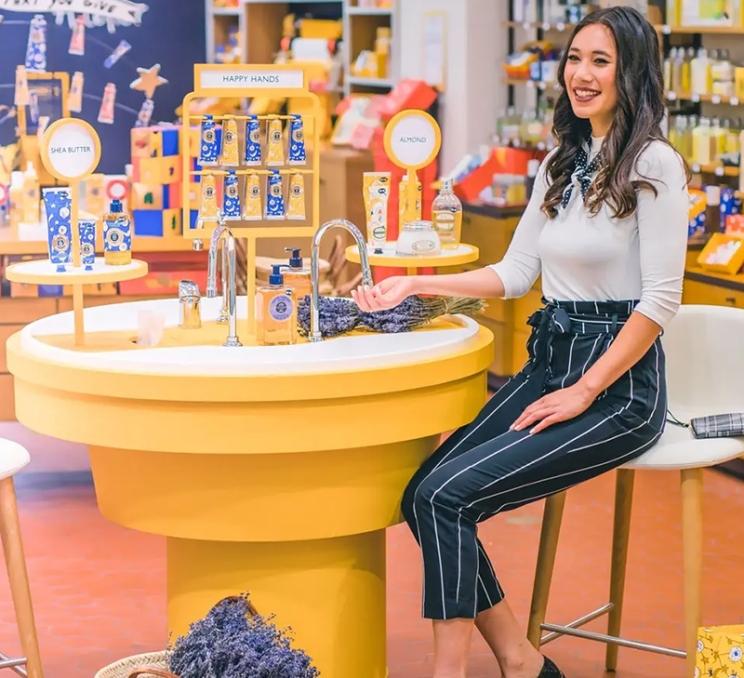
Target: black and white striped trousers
<point x="484" y="468"/>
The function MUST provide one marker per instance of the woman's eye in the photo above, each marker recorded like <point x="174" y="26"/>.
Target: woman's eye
<point x="573" y="57"/>
<point x="601" y="62"/>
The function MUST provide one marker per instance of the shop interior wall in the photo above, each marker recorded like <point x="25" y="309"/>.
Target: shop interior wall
<point x="171" y="34"/>
<point x="476" y="47"/>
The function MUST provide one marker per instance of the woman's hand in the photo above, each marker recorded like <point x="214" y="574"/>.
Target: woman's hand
<point x="386" y="294"/>
<point x="555" y="407"/>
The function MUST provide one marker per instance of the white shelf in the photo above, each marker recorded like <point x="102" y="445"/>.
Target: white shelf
<point x="370" y="82"/>
<point x="226" y="11"/>
<point x="369" y="11"/>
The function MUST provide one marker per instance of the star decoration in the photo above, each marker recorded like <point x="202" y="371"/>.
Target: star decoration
<point x="149" y="80"/>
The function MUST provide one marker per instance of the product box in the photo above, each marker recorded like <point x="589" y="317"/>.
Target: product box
<point x="155" y="197"/>
<point x="723" y="253"/>
<point x="157" y="223"/>
<point x="154" y="142"/>
<point x="163" y="170"/>
<point x="720" y="652"/>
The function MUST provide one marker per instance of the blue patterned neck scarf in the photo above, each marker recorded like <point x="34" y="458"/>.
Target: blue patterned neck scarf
<point x="583" y="171"/>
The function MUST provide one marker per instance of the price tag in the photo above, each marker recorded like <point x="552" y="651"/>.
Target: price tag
<point x="671" y="96"/>
<point x="560" y="26"/>
<point x="719" y="171"/>
<point x="541" y="85"/>
<point x="526" y="25"/>
<point x="734" y="101"/>
<point x="695" y="168"/>
<point x="666" y="29"/>
<point x="530" y="83"/>
<point x="716" y="99"/>
<point x="695" y="98"/>
<point x="545" y="26"/>
<point x="540" y="145"/>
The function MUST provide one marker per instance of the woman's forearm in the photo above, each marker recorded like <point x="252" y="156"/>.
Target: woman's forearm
<point x="632" y="342"/>
<point x="482" y="282"/>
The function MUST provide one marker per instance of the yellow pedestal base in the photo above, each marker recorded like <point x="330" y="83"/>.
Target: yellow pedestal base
<point x="330" y="591"/>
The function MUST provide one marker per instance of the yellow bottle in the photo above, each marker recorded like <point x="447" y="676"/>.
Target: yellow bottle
<point x="31" y="208"/>
<point x="403" y="204"/>
<point x="276" y="312"/>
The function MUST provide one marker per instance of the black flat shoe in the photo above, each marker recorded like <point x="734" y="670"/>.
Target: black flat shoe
<point x="550" y="670"/>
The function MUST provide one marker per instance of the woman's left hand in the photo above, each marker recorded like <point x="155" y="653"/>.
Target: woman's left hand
<point x="555" y="407"/>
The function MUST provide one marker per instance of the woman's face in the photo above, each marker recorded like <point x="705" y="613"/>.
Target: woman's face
<point x="590" y="76"/>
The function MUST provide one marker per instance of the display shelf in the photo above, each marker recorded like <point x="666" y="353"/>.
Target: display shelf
<point x="455" y="256"/>
<point x="664" y="29"/>
<point x="540" y="25"/>
<point x="714" y="168"/>
<point x="370" y="82"/>
<point x="369" y="11"/>
<point x="707" y="98"/>
<point x="43" y="272"/>
<point x="226" y="11"/>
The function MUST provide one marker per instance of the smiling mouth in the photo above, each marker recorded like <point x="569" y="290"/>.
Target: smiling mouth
<point x="584" y="95"/>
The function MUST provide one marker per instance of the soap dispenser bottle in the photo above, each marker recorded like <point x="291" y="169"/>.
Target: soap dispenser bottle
<point x="276" y="312"/>
<point x="297" y="276"/>
<point x="117" y="236"/>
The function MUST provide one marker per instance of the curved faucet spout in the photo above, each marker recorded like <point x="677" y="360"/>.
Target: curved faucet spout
<point x="214" y="243"/>
<point x="315" y="334"/>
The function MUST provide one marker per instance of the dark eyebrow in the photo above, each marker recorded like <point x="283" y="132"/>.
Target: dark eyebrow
<point x="596" y="52"/>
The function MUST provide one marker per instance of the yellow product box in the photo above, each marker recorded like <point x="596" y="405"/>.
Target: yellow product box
<point x="145" y="144"/>
<point x="172" y="169"/>
<point x="723" y="253"/>
<point x="720" y="652"/>
<point x="326" y="29"/>
<point x="146" y="196"/>
<point x="172" y="222"/>
<point x="739" y="82"/>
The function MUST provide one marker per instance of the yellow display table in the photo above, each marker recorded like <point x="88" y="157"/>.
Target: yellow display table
<point x="272" y="470"/>
<point x="452" y="256"/>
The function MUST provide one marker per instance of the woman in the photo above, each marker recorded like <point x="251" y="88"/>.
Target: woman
<point x="606" y="227"/>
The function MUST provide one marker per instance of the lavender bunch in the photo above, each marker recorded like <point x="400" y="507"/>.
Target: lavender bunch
<point x="339" y="315"/>
<point x="234" y="642"/>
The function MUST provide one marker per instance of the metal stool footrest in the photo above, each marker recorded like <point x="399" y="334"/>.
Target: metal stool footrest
<point x="572" y="629"/>
<point x="14" y="664"/>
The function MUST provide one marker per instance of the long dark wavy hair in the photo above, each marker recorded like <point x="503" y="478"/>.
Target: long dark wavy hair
<point x="637" y="120"/>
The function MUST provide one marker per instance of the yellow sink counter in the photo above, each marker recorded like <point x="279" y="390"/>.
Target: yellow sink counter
<point x="275" y="481"/>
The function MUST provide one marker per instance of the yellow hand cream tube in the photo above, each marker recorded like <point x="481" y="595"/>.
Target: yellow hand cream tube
<point x="275" y="152"/>
<point x="230" y="150"/>
<point x="252" y="210"/>
<point x="376" y="188"/>
<point x="296" y="202"/>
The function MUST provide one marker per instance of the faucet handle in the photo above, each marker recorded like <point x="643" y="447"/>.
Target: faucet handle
<point x="188" y="288"/>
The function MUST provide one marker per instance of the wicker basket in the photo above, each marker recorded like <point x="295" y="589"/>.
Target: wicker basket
<point x="151" y="665"/>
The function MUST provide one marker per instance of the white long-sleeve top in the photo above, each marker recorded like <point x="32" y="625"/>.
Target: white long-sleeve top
<point x="598" y="258"/>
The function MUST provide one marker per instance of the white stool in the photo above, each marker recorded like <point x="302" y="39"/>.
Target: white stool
<point x="705" y="372"/>
<point x="13" y="458"/>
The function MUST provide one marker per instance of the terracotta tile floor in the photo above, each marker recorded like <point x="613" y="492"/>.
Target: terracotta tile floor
<point x="99" y="588"/>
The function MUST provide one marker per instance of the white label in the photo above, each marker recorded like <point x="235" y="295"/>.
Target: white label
<point x="695" y="168"/>
<point x="671" y="96"/>
<point x="666" y="29"/>
<point x="734" y="101"/>
<point x="413" y="141"/>
<point x="526" y="25"/>
<point x="716" y="99"/>
<point x="719" y="171"/>
<point x="695" y="98"/>
<point x="560" y="26"/>
<point x="71" y="151"/>
<point x="219" y="79"/>
<point x="546" y="26"/>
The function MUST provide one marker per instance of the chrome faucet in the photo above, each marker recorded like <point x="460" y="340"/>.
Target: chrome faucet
<point x="315" y="268"/>
<point x="229" y="295"/>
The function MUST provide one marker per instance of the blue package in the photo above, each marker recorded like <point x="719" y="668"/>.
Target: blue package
<point x="231" y="197"/>
<point x="59" y="231"/>
<point x="209" y="151"/>
<point x="87" y="228"/>
<point x="296" y="155"/>
<point x="252" y="141"/>
<point x="275" y="196"/>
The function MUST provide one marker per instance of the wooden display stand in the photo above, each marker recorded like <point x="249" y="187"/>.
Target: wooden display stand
<point x="277" y="81"/>
<point x="70" y="151"/>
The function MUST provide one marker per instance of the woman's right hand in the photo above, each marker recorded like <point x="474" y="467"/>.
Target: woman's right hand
<point x="386" y="294"/>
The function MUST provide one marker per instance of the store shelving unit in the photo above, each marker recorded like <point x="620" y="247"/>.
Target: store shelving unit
<point x="218" y="22"/>
<point x="360" y="29"/>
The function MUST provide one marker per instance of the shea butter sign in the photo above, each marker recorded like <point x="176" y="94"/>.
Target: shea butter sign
<point x="412" y="139"/>
<point x="71" y="149"/>
<point x="251" y="79"/>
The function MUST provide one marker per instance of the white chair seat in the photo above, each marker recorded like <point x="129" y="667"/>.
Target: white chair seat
<point x="13" y="457"/>
<point x="679" y="449"/>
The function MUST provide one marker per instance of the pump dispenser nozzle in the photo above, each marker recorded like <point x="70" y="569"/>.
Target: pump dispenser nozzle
<point x="276" y="277"/>
<point x="295" y="261"/>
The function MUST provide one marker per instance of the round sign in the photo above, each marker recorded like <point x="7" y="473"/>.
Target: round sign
<point x="70" y="149"/>
<point x="412" y="139"/>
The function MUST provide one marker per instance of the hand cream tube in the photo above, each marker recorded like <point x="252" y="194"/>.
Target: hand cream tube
<point x="208" y="208"/>
<point x="275" y="197"/>
<point x="87" y="229"/>
<point x="252" y="141"/>
<point x="275" y="152"/>
<point x="297" y="155"/>
<point x="296" y="202"/>
<point x="376" y="188"/>
<point x="252" y="203"/>
<point x="231" y="197"/>
<point x="210" y="142"/>
<point x="230" y="151"/>
<point x="57" y="207"/>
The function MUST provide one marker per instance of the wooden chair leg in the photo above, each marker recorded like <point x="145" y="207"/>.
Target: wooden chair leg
<point x="551" y="527"/>
<point x="620" y="537"/>
<point x="692" y="542"/>
<point x="15" y="563"/>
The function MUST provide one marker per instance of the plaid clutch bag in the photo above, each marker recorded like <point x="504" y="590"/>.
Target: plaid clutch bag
<point x="718" y="425"/>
